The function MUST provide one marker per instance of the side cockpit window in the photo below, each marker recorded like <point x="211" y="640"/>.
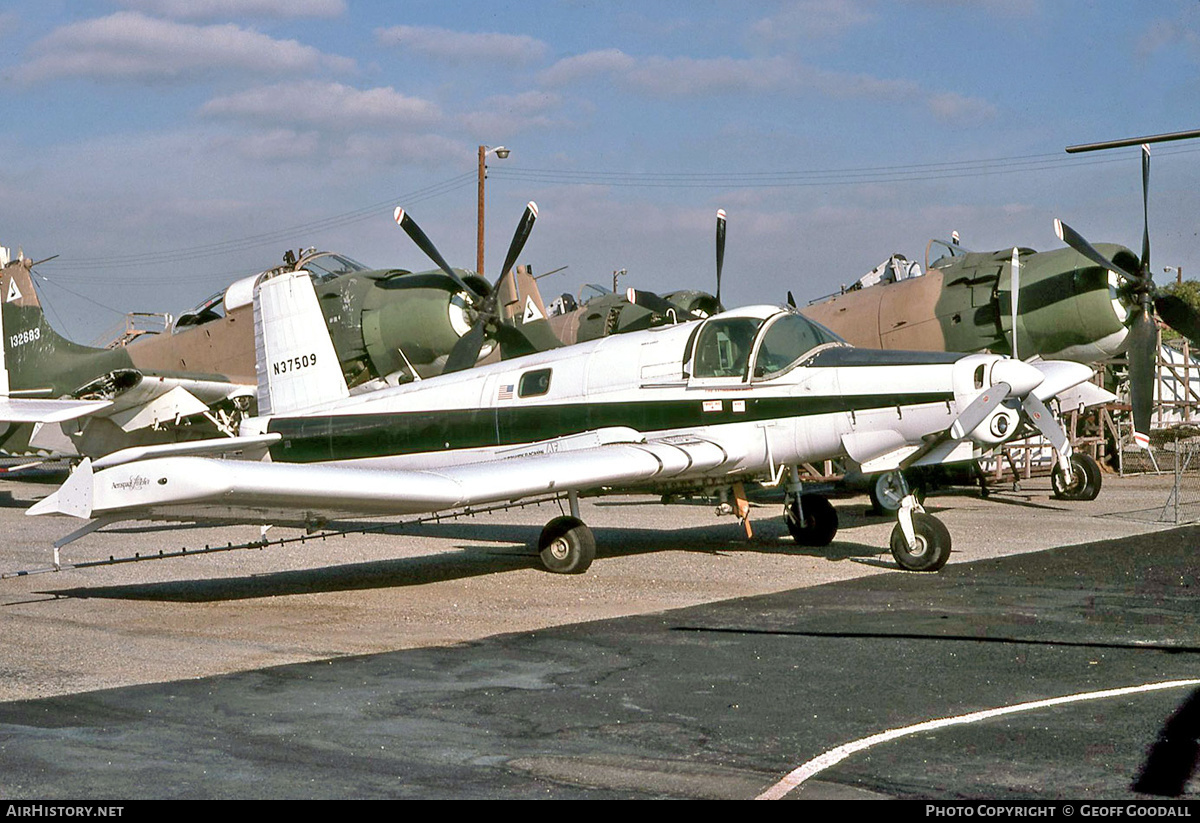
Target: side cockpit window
<point x="723" y="347"/>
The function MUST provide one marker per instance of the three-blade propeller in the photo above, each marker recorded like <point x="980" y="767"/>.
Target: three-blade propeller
<point x="483" y="305"/>
<point x="1142" y="345"/>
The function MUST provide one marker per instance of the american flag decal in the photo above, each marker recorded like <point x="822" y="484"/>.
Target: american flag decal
<point x="505" y="392"/>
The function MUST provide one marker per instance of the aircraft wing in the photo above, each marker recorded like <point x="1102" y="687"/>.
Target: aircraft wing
<point x="27" y="410"/>
<point x="193" y="488"/>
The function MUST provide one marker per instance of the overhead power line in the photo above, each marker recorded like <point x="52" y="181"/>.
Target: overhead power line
<point x="64" y="267"/>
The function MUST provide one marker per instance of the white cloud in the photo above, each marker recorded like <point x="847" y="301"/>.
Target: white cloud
<point x="503" y="115"/>
<point x="811" y="20"/>
<point x="224" y="9"/>
<point x="330" y="105"/>
<point x="691" y="76"/>
<point x="950" y="107"/>
<point x="129" y="45"/>
<point x="461" y="47"/>
<point x="273" y="145"/>
<point x="399" y="151"/>
<point x="588" y="65"/>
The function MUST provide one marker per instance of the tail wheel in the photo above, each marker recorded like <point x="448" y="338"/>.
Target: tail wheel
<point x="567" y="546"/>
<point x="1085" y="479"/>
<point x="933" y="544"/>
<point x="812" y="520"/>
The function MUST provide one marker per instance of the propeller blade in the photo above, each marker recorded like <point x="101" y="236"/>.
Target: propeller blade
<point x="720" y="250"/>
<point x="1076" y="241"/>
<point x="426" y="245"/>
<point x="466" y="351"/>
<point x="519" y="238"/>
<point x="1145" y="209"/>
<point x="969" y="420"/>
<point x="1041" y="417"/>
<point x="978" y="410"/>
<point x="1179" y="315"/>
<point x="1016" y="291"/>
<point x="1142" y="354"/>
<point x="651" y="301"/>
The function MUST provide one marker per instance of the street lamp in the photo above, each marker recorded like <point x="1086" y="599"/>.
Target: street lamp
<point x="616" y="274"/>
<point x="484" y="151"/>
<point x="1178" y="272"/>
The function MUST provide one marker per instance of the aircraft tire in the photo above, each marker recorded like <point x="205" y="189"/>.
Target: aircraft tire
<point x="1086" y="475"/>
<point x="820" y="520"/>
<point x="885" y="493"/>
<point x="567" y="546"/>
<point x="933" y="544"/>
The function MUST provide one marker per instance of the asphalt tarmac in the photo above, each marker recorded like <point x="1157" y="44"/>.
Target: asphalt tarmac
<point x="1056" y="656"/>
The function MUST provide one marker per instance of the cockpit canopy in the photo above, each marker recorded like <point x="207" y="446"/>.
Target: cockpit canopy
<point x="772" y="340"/>
<point x="325" y="266"/>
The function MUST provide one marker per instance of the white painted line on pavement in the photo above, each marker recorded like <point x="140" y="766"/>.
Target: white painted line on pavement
<point x="835" y="756"/>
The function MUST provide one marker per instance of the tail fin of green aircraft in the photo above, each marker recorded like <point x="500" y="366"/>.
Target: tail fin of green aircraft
<point x="523" y="309"/>
<point x="36" y="360"/>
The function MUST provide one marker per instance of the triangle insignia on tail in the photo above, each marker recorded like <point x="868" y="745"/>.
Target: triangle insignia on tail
<point x="531" y="311"/>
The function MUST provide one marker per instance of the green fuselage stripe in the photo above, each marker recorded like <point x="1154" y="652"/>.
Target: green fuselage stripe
<point x="355" y="436"/>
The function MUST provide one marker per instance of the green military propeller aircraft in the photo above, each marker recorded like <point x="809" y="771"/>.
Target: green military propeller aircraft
<point x="1086" y="303"/>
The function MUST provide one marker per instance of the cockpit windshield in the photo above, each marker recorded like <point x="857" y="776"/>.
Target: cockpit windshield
<point x="940" y="251"/>
<point x="787" y="338"/>
<point x="210" y="309"/>
<point x="328" y="265"/>
<point x="590" y="290"/>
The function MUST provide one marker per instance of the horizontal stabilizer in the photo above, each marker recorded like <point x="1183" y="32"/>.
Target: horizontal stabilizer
<point x="213" y="446"/>
<point x="25" y="410"/>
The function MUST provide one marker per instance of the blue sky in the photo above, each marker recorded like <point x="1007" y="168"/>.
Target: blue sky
<point x="164" y="148"/>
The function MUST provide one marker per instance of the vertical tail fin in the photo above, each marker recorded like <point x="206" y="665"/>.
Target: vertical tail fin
<point x="35" y="357"/>
<point x="297" y="366"/>
<point x="523" y="310"/>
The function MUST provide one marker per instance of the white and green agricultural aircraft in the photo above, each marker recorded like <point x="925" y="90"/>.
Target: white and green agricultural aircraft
<point x="700" y="407"/>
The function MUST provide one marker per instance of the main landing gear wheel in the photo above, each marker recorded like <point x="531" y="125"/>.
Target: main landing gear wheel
<point x="886" y="491"/>
<point x="1085" y="479"/>
<point x="933" y="544"/>
<point x="567" y="546"/>
<point x="819" y="524"/>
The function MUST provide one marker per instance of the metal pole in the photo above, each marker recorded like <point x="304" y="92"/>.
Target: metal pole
<point x="1134" y="141"/>
<point x="479" y="236"/>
